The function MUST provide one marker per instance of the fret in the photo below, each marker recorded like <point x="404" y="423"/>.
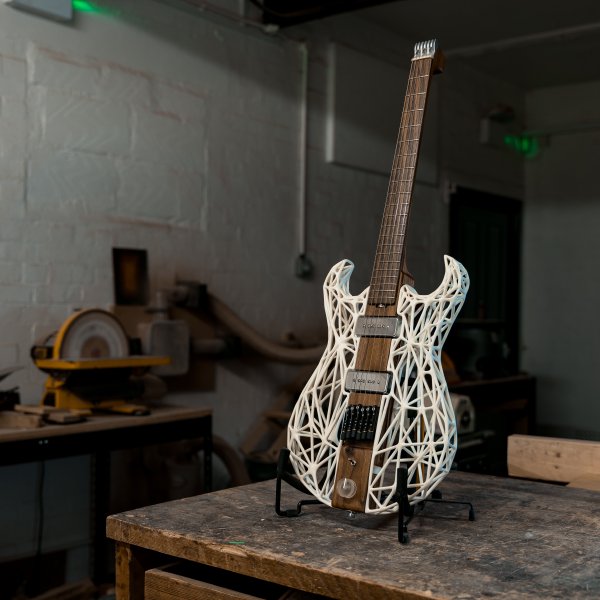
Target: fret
<point x="386" y="265"/>
<point x="389" y="256"/>
<point x="382" y="272"/>
<point x="386" y="268"/>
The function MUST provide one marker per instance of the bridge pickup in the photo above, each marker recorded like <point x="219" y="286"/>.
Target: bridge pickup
<point x="368" y="382"/>
<point x="382" y="327"/>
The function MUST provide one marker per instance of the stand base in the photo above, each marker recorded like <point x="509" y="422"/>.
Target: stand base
<point x="284" y="455"/>
<point x="406" y="511"/>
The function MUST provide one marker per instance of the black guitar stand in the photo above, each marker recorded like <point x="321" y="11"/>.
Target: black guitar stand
<point x="406" y="512"/>
<point x="284" y="455"/>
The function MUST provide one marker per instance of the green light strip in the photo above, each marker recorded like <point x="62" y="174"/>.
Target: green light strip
<point x="83" y="6"/>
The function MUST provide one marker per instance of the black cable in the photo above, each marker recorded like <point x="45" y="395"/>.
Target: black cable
<point x="40" y="495"/>
<point x="32" y="583"/>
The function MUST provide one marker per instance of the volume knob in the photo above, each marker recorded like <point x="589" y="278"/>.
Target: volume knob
<point x="346" y="488"/>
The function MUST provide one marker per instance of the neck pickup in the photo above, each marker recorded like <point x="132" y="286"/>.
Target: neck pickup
<point x="378" y="327"/>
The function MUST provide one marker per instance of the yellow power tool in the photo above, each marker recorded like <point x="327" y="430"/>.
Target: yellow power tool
<point x="89" y="365"/>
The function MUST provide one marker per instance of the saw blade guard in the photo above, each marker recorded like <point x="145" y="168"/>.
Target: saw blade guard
<point x="93" y="334"/>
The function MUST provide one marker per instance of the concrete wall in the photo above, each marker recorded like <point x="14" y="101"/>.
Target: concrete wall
<point x="561" y="251"/>
<point x="146" y="127"/>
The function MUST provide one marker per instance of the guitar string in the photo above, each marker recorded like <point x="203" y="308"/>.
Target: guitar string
<point x="384" y="270"/>
<point x="407" y="193"/>
<point x="400" y="185"/>
<point x="393" y="226"/>
<point x="375" y="293"/>
<point x="380" y="280"/>
<point x="403" y="187"/>
<point x="393" y="234"/>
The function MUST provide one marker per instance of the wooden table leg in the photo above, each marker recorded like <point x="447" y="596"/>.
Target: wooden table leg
<point x="130" y="565"/>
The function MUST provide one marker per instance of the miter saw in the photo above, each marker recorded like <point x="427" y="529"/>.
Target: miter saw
<point x="90" y="365"/>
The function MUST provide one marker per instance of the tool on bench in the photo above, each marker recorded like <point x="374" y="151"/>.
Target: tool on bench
<point x="90" y="365"/>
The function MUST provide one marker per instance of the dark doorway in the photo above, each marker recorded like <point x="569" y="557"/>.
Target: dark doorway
<point x="485" y="236"/>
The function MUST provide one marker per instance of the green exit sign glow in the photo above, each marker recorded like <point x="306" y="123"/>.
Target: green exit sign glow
<point x="526" y="145"/>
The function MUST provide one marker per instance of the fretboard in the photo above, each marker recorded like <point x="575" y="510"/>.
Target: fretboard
<point x="389" y="258"/>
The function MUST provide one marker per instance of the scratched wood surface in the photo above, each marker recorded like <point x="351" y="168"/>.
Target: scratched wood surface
<point x="529" y="540"/>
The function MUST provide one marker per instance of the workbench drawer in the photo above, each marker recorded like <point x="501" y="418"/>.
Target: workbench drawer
<point x="187" y="581"/>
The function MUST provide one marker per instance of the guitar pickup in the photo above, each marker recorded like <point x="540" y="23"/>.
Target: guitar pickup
<point x="368" y="382"/>
<point x="382" y="327"/>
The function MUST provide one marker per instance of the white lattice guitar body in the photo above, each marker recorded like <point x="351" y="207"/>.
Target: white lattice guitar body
<point x="414" y="423"/>
<point x="374" y="430"/>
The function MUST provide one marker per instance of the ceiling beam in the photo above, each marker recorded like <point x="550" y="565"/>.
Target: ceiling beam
<point x="292" y="12"/>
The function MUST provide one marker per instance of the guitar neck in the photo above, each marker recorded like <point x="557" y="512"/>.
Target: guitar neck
<point x="389" y="258"/>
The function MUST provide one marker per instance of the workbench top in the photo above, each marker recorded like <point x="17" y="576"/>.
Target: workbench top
<point x="529" y="540"/>
<point x="105" y="421"/>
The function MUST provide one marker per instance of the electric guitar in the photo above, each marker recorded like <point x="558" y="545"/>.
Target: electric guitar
<point x="377" y="400"/>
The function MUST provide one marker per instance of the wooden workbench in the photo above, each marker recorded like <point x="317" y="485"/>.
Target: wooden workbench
<point x="97" y="436"/>
<point x="529" y="540"/>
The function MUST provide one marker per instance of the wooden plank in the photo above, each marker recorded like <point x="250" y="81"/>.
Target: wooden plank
<point x="586" y="482"/>
<point x="529" y="540"/>
<point x="161" y="585"/>
<point x="52" y="414"/>
<point x="81" y="590"/>
<point x="552" y="459"/>
<point x="64" y="417"/>
<point x="100" y="422"/>
<point x="35" y="409"/>
<point x="15" y="420"/>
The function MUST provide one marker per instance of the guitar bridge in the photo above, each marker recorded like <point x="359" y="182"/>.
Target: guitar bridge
<point x="359" y="423"/>
<point x="368" y="382"/>
<point x="381" y="327"/>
